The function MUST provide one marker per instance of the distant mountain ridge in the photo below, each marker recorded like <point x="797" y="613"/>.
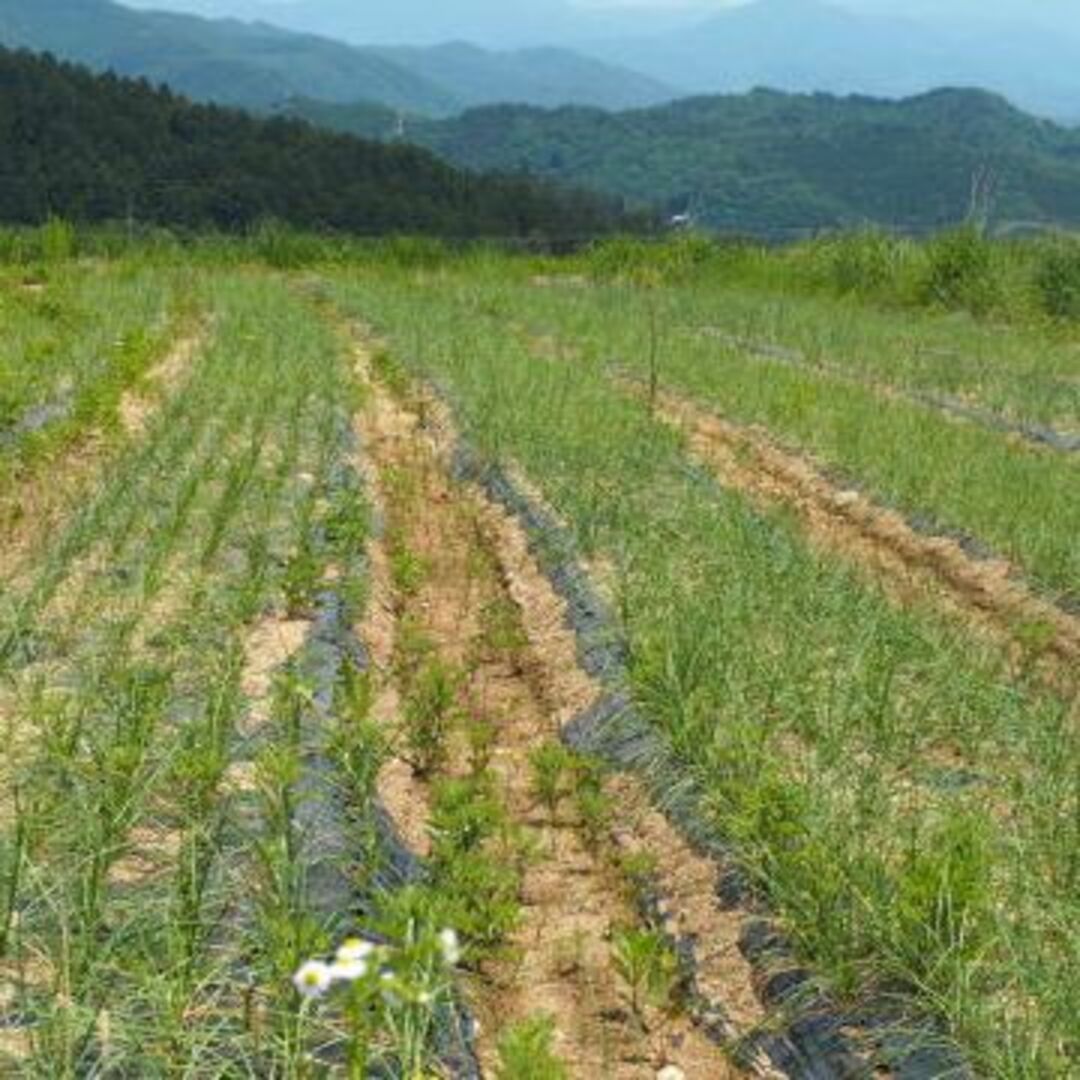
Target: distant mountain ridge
<point x="256" y="65"/>
<point x="774" y="163"/>
<point x="542" y="76"/>
<point x="1028" y="50"/>
<point x="804" y="46"/>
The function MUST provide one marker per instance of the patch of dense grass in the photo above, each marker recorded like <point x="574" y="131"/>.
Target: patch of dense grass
<point x="956" y="476"/>
<point x="74" y="341"/>
<point x="909" y="807"/>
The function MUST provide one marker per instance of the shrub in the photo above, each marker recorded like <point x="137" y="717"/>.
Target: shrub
<point x="1057" y="281"/>
<point x="960" y="271"/>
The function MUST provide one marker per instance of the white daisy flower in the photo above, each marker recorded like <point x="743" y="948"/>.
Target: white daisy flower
<point x="353" y="949"/>
<point x="348" y="970"/>
<point x="451" y="947"/>
<point x="313" y="979"/>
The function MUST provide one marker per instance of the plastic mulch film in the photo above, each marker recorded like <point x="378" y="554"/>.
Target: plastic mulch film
<point x="811" y="1036"/>
<point x="329" y="827"/>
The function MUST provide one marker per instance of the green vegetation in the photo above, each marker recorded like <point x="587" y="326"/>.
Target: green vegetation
<point x="773" y="164"/>
<point x="192" y="759"/>
<point x="101" y="149"/>
<point x="525" y="1052"/>
<point x="898" y="791"/>
<point x="64" y="368"/>
<point x="962" y="476"/>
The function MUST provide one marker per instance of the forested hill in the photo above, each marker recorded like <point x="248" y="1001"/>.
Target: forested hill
<point x="772" y="162"/>
<point x="95" y="148"/>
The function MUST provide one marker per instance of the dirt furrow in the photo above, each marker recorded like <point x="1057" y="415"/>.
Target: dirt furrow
<point x="477" y="587"/>
<point x="912" y="567"/>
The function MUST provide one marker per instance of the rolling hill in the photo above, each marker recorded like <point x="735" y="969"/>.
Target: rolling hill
<point x="257" y="65"/>
<point x="771" y="162"/>
<point x="98" y="148"/>
<point x="547" y="77"/>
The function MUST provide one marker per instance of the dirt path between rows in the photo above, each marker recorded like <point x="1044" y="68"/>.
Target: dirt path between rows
<point x="910" y="566"/>
<point x="522" y="679"/>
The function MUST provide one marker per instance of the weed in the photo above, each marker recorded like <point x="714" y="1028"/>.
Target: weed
<point x="526" y="1051"/>
<point x="647" y="966"/>
<point x="429" y="711"/>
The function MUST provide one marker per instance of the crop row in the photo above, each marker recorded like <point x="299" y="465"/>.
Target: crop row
<point x="948" y="475"/>
<point x="909" y="806"/>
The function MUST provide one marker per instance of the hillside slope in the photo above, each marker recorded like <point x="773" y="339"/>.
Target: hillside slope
<point x="98" y="148"/>
<point x="545" y="77"/>
<point x="772" y="162"/>
<point x="220" y="60"/>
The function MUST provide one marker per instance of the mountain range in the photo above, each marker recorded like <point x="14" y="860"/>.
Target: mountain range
<point x="815" y="45"/>
<point x="773" y="163"/>
<point x="257" y="65"/>
<point x="1028" y="50"/>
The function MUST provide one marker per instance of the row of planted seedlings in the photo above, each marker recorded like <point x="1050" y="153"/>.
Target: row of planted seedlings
<point x="909" y="809"/>
<point x="562" y="970"/>
<point x="1026" y="370"/>
<point x="76" y="337"/>
<point x="1025" y="374"/>
<point x="189" y="811"/>
<point x="151" y="917"/>
<point x="997" y="495"/>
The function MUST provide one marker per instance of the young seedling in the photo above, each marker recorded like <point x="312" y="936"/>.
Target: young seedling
<point x="430" y="710"/>
<point x="482" y="735"/>
<point x="553" y="767"/>
<point x="526" y="1051"/>
<point x="648" y="967"/>
<point x="408" y="570"/>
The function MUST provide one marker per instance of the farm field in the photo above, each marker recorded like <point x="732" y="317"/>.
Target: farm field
<point x="491" y="666"/>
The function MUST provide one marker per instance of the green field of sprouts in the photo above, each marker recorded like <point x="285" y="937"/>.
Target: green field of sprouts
<point x="285" y="789"/>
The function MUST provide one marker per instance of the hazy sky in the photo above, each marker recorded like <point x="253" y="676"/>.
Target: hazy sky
<point x="1060" y="14"/>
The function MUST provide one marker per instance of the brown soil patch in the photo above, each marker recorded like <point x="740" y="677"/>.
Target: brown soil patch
<point x="151" y="852"/>
<point x="911" y="567"/>
<point x="560" y="959"/>
<point x="270" y="643"/>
